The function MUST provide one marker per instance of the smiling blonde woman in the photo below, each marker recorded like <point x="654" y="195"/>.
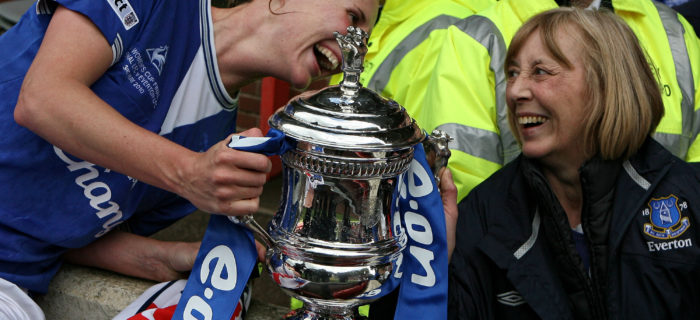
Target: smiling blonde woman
<point x="594" y="219"/>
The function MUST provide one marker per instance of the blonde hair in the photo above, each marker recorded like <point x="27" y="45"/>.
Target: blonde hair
<point x="624" y="99"/>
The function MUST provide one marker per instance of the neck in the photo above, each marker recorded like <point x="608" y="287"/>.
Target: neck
<point x="236" y="44"/>
<point x="566" y="185"/>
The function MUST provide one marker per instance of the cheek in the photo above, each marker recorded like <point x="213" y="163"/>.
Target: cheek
<point x="573" y="124"/>
<point x="341" y="26"/>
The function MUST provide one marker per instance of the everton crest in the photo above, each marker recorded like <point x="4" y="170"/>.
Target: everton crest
<point x="666" y="221"/>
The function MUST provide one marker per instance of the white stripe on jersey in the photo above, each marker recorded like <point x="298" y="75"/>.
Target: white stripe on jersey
<point x="189" y="108"/>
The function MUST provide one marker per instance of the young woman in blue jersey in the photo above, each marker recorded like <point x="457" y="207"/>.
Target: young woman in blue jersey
<point x="595" y="219"/>
<point x="117" y="112"/>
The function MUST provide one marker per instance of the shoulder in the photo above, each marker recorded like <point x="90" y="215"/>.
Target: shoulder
<point x="495" y="193"/>
<point x="501" y="180"/>
<point x="658" y="166"/>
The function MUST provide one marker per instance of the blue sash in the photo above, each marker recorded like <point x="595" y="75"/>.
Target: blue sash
<point x="227" y="254"/>
<point x="423" y="265"/>
<point x="224" y="263"/>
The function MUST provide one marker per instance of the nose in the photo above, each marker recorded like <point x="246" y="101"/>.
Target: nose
<point x="518" y="89"/>
<point x="368" y="21"/>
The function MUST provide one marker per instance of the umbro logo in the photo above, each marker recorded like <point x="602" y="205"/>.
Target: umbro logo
<point x="510" y="298"/>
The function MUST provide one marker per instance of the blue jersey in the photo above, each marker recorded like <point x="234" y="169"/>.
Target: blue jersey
<point x="164" y="77"/>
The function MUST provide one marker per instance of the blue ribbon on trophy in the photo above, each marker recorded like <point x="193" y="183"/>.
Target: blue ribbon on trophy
<point x="227" y="254"/>
<point x="423" y="271"/>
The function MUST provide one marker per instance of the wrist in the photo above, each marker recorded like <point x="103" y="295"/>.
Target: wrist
<point x="177" y="171"/>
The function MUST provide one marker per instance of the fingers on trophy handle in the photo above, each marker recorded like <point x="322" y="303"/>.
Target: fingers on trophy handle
<point x="437" y="151"/>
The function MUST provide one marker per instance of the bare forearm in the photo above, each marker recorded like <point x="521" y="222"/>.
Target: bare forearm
<point x="81" y="124"/>
<point x="448" y="193"/>
<point x="137" y="256"/>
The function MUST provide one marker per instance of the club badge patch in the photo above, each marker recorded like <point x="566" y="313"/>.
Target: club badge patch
<point x="666" y="219"/>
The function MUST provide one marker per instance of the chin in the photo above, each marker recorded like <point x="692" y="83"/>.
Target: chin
<point x="534" y="152"/>
<point x="301" y="83"/>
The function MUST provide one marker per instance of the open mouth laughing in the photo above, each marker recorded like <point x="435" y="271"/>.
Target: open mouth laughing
<point x="531" y="121"/>
<point x="326" y="58"/>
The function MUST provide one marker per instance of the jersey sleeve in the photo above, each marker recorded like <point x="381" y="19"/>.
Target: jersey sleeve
<point x="120" y="21"/>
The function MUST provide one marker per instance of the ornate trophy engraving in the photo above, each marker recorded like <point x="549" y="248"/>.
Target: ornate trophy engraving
<point x="331" y="243"/>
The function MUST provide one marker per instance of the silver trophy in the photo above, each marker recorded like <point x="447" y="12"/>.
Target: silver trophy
<point x="331" y="243"/>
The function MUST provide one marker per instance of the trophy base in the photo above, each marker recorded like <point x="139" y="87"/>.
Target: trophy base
<point x="306" y="314"/>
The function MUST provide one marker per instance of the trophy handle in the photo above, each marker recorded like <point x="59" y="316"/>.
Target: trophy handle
<point x="437" y="152"/>
<point x="249" y="222"/>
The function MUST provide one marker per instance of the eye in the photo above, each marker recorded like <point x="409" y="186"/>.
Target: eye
<point x="540" y="71"/>
<point x="354" y="18"/>
<point x="512" y="73"/>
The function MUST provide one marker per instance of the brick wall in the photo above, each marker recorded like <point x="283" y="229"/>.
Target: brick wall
<point x="249" y="102"/>
<point x="249" y="109"/>
<point x="249" y="106"/>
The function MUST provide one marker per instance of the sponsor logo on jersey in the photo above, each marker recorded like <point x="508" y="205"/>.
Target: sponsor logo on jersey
<point x="125" y="11"/>
<point x="97" y="192"/>
<point x="157" y="57"/>
<point x="669" y="245"/>
<point x="511" y="298"/>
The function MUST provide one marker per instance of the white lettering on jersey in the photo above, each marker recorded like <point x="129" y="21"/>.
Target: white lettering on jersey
<point x="125" y="12"/>
<point x="138" y="75"/>
<point x="669" y="245"/>
<point x="97" y="192"/>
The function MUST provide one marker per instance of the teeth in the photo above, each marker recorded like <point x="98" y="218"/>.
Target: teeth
<point x="330" y="56"/>
<point x="531" y="120"/>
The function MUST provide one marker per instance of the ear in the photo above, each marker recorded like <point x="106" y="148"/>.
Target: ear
<point x="276" y="5"/>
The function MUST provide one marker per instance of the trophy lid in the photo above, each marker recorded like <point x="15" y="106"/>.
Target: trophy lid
<point x="348" y="116"/>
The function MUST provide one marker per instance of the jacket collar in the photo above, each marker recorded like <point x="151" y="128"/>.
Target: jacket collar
<point x="631" y="6"/>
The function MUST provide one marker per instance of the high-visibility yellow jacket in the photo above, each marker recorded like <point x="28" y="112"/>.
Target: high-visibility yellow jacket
<point x="398" y="43"/>
<point x="404" y="45"/>
<point x="465" y="93"/>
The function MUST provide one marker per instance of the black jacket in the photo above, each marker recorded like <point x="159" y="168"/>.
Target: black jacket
<point x="511" y="261"/>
